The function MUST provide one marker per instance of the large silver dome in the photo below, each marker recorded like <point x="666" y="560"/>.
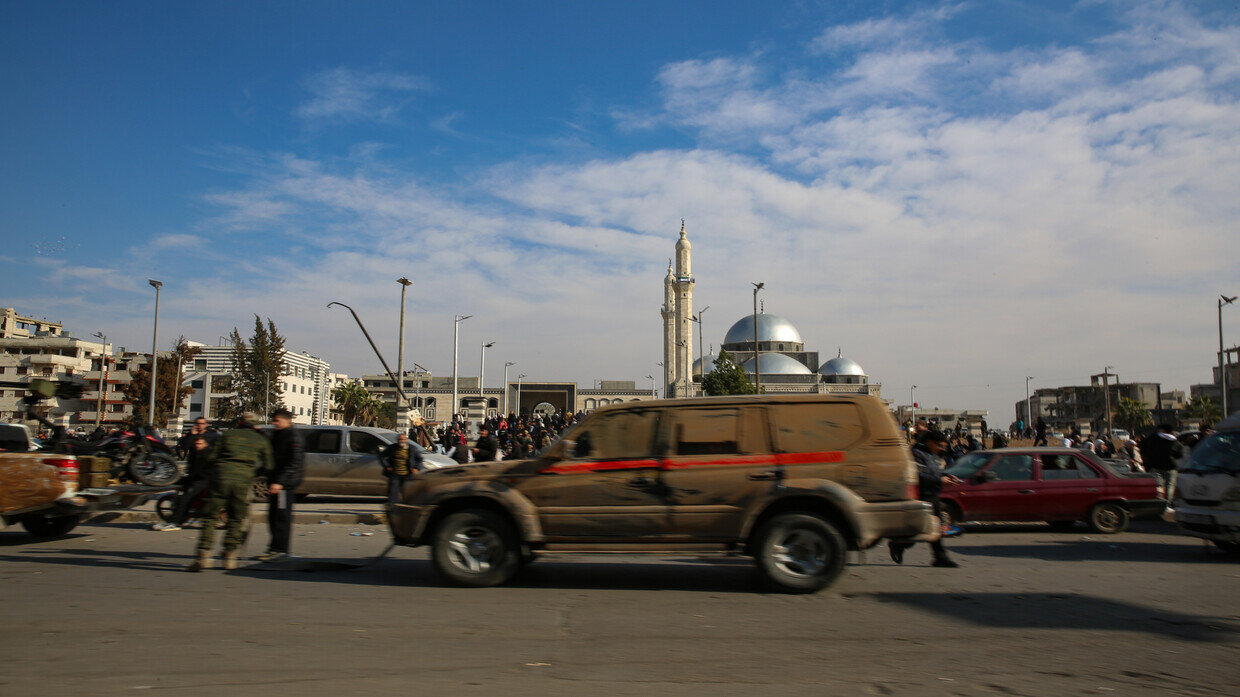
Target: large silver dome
<point x="770" y="328"/>
<point x="708" y="359"/>
<point x="778" y="364"/>
<point x="841" y="366"/>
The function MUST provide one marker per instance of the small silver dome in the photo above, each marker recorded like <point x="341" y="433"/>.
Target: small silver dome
<point x="770" y="328"/>
<point x="778" y="364"/>
<point x="708" y="359"/>
<point x="841" y="366"/>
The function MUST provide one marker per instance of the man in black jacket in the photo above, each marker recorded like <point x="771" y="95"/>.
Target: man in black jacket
<point x="930" y="480"/>
<point x="288" y="455"/>
<point x="1159" y="451"/>
<point x="486" y="447"/>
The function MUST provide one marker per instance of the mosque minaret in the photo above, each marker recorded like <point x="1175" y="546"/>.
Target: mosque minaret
<point x="677" y="321"/>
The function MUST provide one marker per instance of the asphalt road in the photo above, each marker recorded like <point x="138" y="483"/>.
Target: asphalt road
<point x="107" y="611"/>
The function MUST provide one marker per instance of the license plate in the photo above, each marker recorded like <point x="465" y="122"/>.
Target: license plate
<point x="1196" y="518"/>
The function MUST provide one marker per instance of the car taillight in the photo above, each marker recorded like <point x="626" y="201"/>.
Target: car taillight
<point x="66" y="471"/>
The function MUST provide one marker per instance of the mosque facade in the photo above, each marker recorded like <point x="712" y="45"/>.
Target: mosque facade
<point x="778" y="351"/>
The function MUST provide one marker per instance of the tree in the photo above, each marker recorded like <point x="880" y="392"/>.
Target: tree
<point x="170" y="394"/>
<point x="257" y="366"/>
<point x="1132" y="415"/>
<point x="1204" y="410"/>
<point x="726" y="377"/>
<point x="352" y="400"/>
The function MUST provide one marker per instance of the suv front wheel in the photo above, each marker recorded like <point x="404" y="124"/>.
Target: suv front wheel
<point x="475" y="547"/>
<point x="799" y="553"/>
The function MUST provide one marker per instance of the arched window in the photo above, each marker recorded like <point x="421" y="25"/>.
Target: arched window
<point x="430" y="401"/>
<point x="492" y="403"/>
<point x="590" y="404"/>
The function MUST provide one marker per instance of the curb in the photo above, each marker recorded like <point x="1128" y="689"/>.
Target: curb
<point x="255" y="517"/>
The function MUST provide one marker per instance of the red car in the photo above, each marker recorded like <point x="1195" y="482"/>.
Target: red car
<point x="1058" y="485"/>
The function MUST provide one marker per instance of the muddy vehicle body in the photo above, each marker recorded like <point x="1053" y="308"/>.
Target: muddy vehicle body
<point x="792" y="481"/>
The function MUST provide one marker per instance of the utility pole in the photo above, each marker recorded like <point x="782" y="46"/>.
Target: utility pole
<point x="912" y="404"/>
<point x="456" y="340"/>
<point x="506" y="364"/>
<point x="1106" y="392"/>
<point x="150" y="416"/>
<point x="1028" y="404"/>
<point x="1222" y="364"/>
<point x="103" y="371"/>
<point x="701" y="345"/>
<point x="757" y="364"/>
<point x="402" y="408"/>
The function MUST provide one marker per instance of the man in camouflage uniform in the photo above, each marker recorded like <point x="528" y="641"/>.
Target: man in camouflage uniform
<point x="236" y="458"/>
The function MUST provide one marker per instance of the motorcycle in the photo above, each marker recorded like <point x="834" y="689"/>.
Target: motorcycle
<point x="136" y="455"/>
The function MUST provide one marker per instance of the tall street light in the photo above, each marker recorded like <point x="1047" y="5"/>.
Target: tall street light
<point x="757" y="364"/>
<point x="660" y="364"/>
<point x="1028" y="404"/>
<point x="912" y="404"/>
<point x="103" y="368"/>
<point x="506" y="364"/>
<point x="1106" y="392"/>
<point x="653" y="394"/>
<point x="1222" y="366"/>
<point x="150" y="420"/>
<point x="456" y="341"/>
<point x="701" y="343"/>
<point x="417" y="386"/>
<point x="401" y="407"/>
<point x="684" y="346"/>
<point x="482" y="372"/>
<point x="519" y="379"/>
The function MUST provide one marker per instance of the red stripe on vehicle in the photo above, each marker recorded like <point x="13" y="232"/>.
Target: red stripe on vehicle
<point x="830" y="457"/>
<point x="834" y="456"/>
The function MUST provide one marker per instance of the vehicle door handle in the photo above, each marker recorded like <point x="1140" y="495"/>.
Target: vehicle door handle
<point x="1025" y="491"/>
<point x="765" y="476"/>
<point x="641" y="482"/>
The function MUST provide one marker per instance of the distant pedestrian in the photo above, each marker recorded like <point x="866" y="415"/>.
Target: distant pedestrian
<point x="1041" y="433"/>
<point x="238" y="455"/>
<point x="486" y="448"/>
<point x="1132" y="456"/>
<point x="400" y="462"/>
<point x="288" y="454"/>
<point x="1159" y="451"/>
<point x="930" y="481"/>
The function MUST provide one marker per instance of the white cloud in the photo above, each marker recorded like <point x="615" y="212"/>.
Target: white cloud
<point x="343" y="94"/>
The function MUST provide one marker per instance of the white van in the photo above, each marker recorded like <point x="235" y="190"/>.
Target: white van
<point x="1207" y="490"/>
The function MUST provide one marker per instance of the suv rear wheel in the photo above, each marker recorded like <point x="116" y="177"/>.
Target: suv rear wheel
<point x="799" y="553"/>
<point x="475" y="547"/>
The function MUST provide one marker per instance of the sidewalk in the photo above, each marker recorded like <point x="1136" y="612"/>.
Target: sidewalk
<point x="339" y="510"/>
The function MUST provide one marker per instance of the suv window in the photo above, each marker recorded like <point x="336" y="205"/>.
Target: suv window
<point x="1065" y="467"/>
<point x="807" y="428"/>
<point x="622" y="435"/>
<point x="323" y="441"/>
<point x="706" y="432"/>
<point x="363" y="442"/>
<point x="1012" y="468"/>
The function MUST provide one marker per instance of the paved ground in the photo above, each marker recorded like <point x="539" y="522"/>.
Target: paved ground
<point x="107" y="612"/>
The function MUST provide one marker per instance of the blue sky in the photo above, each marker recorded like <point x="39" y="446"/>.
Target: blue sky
<point x="957" y="194"/>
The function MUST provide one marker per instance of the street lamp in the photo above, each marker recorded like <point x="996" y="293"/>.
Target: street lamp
<point x="103" y="367"/>
<point x="482" y="371"/>
<point x="506" y="364"/>
<point x="1106" y="392"/>
<point x="1028" y="404"/>
<point x="417" y="386"/>
<point x="403" y="406"/>
<point x="912" y="405"/>
<point x="688" y="387"/>
<point x="653" y="394"/>
<point x="701" y="344"/>
<point x="660" y="364"/>
<point x="519" y="379"/>
<point x="456" y="337"/>
<point x="1222" y="367"/>
<point x="757" y="364"/>
<point x="150" y="416"/>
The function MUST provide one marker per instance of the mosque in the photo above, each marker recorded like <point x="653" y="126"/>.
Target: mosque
<point x="778" y="351"/>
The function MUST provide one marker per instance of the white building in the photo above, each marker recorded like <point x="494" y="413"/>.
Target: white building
<point x="305" y="386"/>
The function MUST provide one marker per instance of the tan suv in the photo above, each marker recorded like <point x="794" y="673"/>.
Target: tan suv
<point x="793" y="481"/>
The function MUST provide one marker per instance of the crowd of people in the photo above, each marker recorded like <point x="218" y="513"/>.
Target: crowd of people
<point x="503" y="437"/>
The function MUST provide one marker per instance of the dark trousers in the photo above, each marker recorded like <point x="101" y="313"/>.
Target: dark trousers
<point x="191" y="491"/>
<point x="280" y="518"/>
<point x="395" y="484"/>
<point x="936" y="547"/>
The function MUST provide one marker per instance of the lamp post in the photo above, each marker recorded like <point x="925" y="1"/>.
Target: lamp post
<point x="103" y="368"/>
<point x="912" y="404"/>
<point x="401" y="407"/>
<point x="1106" y="393"/>
<point x="482" y="372"/>
<point x="506" y="364"/>
<point x="660" y="364"/>
<point x="417" y="386"/>
<point x="684" y="345"/>
<point x="1222" y="366"/>
<point x="456" y="340"/>
<point x="519" y="379"/>
<point x="701" y="344"/>
<point x="653" y="394"/>
<point x="757" y="363"/>
<point x="1028" y="404"/>
<point x="150" y="416"/>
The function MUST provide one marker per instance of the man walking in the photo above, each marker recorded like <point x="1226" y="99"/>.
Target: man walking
<point x="486" y="447"/>
<point x="930" y="480"/>
<point x="237" y="456"/>
<point x="285" y="476"/>
<point x="1159" y="451"/>
<point x="400" y="461"/>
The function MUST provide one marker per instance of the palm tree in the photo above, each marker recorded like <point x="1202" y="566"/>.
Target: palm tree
<point x="1132" y="415"/>
<point x="352" y="400"/>
<point x="1204" y="410"/>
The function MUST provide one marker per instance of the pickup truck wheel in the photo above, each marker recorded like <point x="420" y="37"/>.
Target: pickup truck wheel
<point x="43" y="526"/>
<point x="799" y="553"/>
<point x="1108" y="518"/>
<point x="1232" y="548"/>
<point x="155" y="469"/>
<point x="476" y="548"/>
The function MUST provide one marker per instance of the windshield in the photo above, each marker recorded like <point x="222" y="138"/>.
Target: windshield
<point x="1220" y="452"/>
<point x="969" y="465"/>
